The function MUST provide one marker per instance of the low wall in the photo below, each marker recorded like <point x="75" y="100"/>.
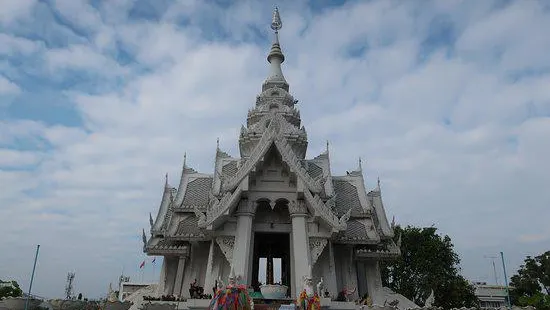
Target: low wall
<point x="18" y="303"/>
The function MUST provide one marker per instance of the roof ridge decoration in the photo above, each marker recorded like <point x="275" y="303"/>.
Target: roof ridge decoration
<point x="164" y="210"/>
<point x="331" y="202"/>
<point x="379" y="211"/>
<point x="290" y="158"/>
<point x="257" y="153"/>
<point x="199" y="215"/>
<point x="273" y="134"/>
<point x="144" y="239"/>
<point x="185" y="169"/>
<point x="217" y="207"/>
<point x="219" y="152"/>
<point x="325" y="213"/>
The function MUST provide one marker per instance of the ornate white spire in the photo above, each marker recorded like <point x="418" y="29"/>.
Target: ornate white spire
<point x="275" y="57"/>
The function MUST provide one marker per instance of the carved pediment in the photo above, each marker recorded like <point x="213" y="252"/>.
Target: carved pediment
<point x="226" y="244"/>
<point x="316" y="246"/>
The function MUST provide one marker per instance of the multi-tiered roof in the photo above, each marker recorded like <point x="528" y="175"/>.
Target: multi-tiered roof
<point x="202" y="202"/>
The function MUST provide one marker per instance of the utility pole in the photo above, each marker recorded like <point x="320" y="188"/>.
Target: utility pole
<point x="506" y="281"/>
<point x="492" y="258"/>
<point x="32" y="277"/>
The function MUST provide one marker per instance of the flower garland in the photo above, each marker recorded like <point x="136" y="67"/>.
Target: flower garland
<point x="309" y="303"/>
<point x="231" y="298"/>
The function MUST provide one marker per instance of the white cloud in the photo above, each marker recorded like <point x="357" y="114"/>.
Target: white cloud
<point x="456" y="141"/>
<point x="10" y="45"/>
<point x="8" y="87"/>
<point x="12" y="158"/>
<point x="13" y="10"/>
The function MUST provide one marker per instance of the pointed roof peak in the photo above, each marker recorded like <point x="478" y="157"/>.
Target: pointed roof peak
<point x="275" y="56"/>
<point x="185" y="169"/>
<point x="166" y="180"/>
<point x="377" y="184"/>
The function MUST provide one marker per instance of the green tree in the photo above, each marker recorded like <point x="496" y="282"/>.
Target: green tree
<point x="12" y="290"/>
<point x="531" y="284"/>
<point x="428" y="262"/>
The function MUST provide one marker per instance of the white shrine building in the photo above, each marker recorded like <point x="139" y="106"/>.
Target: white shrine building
<point x="272" y="202"/>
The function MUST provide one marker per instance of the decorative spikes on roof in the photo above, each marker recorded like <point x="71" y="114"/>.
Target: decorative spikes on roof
<point x="144" y="238"/>
<point x="185" y="169"/>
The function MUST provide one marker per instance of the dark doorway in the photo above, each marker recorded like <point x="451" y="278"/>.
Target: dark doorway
<point x="271" y="262"/>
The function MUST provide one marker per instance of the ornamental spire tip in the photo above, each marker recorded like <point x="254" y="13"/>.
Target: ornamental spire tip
<point x="276" y="23"/>
<point x="275" y="57"/>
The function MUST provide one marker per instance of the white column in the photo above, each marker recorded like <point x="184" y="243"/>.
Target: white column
<point x="361" y="279"/>
<point x="243" y="239"/>
<point x="209" y="279"/>
<point x="374" y="280"/>
<point x="179" y="276"/>
<point x="171" y="267"/>
<point x="331" y="281"/>
<point x="300" y="244"/>
<point x="162" y="280"/>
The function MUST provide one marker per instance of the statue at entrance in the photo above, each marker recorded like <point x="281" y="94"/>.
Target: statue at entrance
<point x="320" y="287"/>
<point x="309" y="299"/>
<point x="234" y="296"/>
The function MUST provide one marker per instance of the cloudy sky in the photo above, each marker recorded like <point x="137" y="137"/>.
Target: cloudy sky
<point x="447" y="101"/>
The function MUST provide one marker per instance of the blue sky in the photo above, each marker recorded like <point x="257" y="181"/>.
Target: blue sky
<point x="448" y="102"/>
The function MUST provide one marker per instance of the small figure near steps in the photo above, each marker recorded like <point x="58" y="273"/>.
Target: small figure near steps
<point x="309" y="299"/>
